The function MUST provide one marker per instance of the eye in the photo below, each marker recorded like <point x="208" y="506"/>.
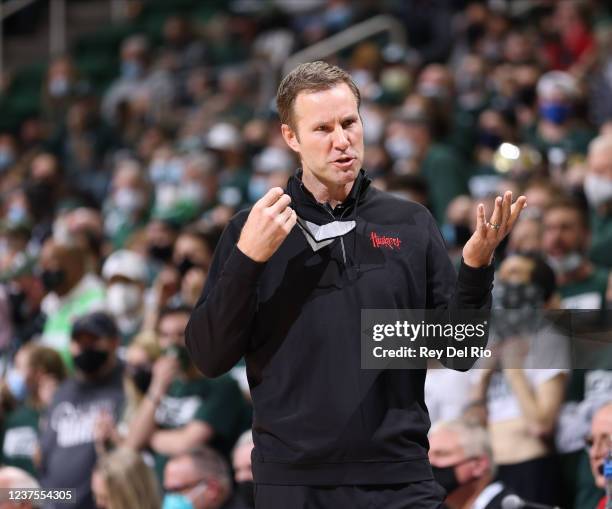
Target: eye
<point x="321" y="128"/>
<point x="348" y="123"/>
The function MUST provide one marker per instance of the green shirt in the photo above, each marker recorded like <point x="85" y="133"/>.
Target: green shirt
<point x="446" y="176"/>
<point x="20" y="438"/>
<point x="218" y="402"/>
<point x="601" y="240"/>
<point x="590" y="293"/>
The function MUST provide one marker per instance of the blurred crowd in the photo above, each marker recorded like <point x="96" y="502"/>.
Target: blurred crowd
<point x="111" y="207"/>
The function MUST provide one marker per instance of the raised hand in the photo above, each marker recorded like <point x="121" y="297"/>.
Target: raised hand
<point x="478" y="250"/>
<point x="269" y="222"/>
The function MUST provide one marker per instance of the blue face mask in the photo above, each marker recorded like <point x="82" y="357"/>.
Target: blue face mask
<point x="17" y="385"/>
<point x="131" y="69"/>
<point x="176" y="501"/>
<point x="257" y="188"/>
<point x="557" y="113"/>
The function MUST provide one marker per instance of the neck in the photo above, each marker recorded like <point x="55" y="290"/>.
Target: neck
<point x="464" y="497"/>
<point x="581" y="273"/>
<point x="325" y="192"/>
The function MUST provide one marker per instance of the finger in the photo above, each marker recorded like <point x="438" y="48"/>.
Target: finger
<point x="518" y="206"/>
<point x="284" y="216"/>
<point x="269" y="198"/>
<point x="288" y="226"/>
<point x="481" y="222"/>
<point x="497" y="212"/>
<point x="506" y="204"/>
<point x="280" y="205"/>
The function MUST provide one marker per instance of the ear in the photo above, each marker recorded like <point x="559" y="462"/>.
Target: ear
<point x="290" y="137"/>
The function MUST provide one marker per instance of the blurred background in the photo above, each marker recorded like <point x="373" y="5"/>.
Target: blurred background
<point x="131" y="131"/>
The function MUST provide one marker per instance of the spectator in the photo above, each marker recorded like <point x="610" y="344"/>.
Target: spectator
<point x="94" y="391"/>
<point x="15" y="478"/>
<point x="598" y="190"/>
<point x="600" y="444"/>
<point x="71" y="292"/>
<point x="125" y="275"/>
<point x="436" y="162"/>
<point x="127" y="206"/>
<point x="558" y="126"/>
<point x="522" y="399"/>
<point x="462" y="462"/>
<point x="121" y="480"/>
<point x="137" y="78"/>
<point x="199" y="479"/>
<point x="243" y="475"/>
<point x="183" y="409"/>
<point x="565" y="242"/>
<point x="37" y="372"/>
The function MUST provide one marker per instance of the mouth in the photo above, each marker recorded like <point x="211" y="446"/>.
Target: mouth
<point x="344" y="162"/>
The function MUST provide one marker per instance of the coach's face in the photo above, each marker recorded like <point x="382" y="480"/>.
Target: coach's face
<point x="327" y="134"/>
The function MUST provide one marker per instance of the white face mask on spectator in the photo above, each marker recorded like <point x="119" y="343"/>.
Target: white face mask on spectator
<point x="129" y="200"/>
<point x="598" y="190"/>
<point x="123" y="298"/>
<point x="567" y="263"/>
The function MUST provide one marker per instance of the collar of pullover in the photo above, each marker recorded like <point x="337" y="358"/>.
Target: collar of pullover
<point x="308" y="209"/>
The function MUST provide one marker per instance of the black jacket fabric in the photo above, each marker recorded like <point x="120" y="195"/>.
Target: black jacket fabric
<point x="319" y="419"/>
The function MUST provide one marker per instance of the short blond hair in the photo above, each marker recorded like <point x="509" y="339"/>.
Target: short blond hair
<point x="129" y="481"/>
<point x="310" y="77"/>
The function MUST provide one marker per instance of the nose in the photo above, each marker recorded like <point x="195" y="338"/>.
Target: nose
<point x="340" y="140"/>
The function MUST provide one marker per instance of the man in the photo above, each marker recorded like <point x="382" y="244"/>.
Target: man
<point x="72" y="292"/>
<point x="125" y="273"/>
<point x="600" y="443"/>
<point x="598" y="190"/>
<point x="289" y="300"/>
<point x="14" y="478"/>
<point x="198" y="479"/>
<point x="183" y="409"/>
<point x="462" y="461"/>
<point x="565" y="241"/>
<point x="68" y="451"/>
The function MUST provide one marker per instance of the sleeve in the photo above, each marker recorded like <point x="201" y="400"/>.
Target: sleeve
<point x="220" y="325"/>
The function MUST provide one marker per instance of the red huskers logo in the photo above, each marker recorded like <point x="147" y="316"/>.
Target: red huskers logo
<point x="382" y="241"/>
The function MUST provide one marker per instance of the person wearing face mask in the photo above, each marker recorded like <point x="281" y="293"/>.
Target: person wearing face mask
<point x="243" y="473"/>
<point x="68" y="453"/>
<point x="127" y="206"/>
<point x="70" y="292"/>
<point x="522" y="395"/>
<point x="557" y="126"/>
<point x="462" y="462"/>
<point x="125" y="275"/>
<point x="598" y="190"/>
<point x="198" y="479"/>
<point x="36" y="373"/>
<point x="565" y="242"/>
<point x="272" y="167"/>
<point x="182" y="409"/>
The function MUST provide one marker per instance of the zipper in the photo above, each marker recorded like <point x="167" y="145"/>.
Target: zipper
<point x="330" y="212"/>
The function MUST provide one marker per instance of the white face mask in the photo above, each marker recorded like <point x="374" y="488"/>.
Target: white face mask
<point x="129" y="200"/>
<point x="566" y="263"/>
<point x="123" y="298"/>
<point x="399" y="147"/>
<point x="598" y="190"/>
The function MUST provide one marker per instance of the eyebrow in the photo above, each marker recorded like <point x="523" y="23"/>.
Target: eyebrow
<point x="329" y="121"/>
